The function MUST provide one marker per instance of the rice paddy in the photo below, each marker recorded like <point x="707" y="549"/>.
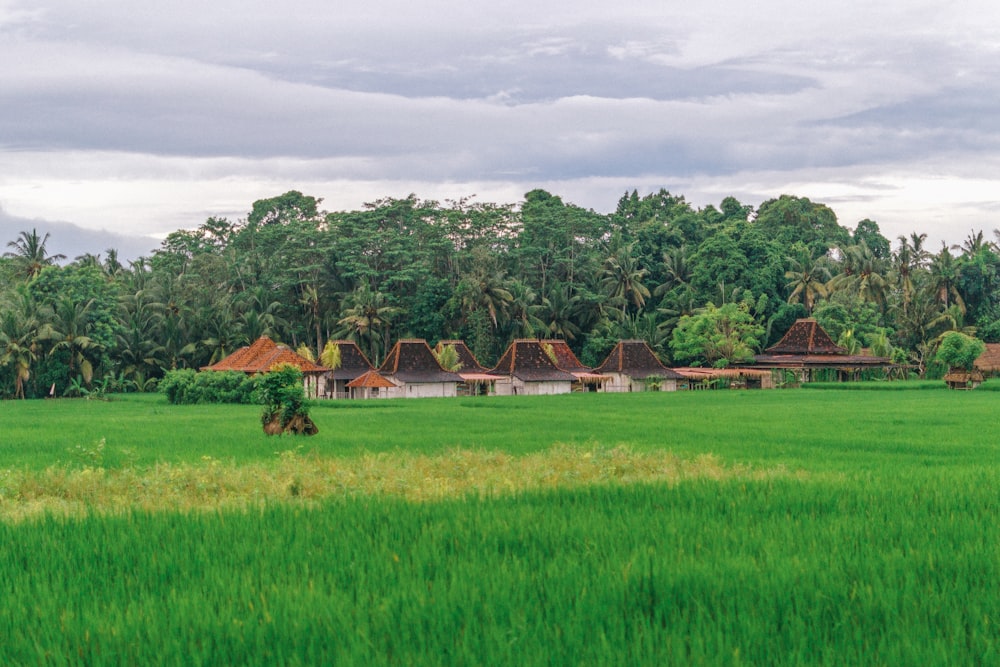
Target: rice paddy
<point x="786" y="527"/>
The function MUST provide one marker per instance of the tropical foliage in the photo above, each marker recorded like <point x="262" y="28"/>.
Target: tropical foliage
<point x="486" y="274"/>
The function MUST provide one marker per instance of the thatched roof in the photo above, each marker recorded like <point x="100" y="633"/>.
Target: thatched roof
<point x="806" y="336"/>
<point x="527" y="360"/>
<point x="465" y="356"/>
<point x="637" y="360"/>
<point x="263" y="355"/>
<point x="413" y="361"/>
<point x="989" y="360"/>
<point x="353" y="362"/>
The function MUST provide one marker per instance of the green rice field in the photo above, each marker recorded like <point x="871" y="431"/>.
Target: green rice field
<point x="816" y="526"/>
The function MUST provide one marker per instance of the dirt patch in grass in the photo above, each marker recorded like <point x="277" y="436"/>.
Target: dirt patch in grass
<point x="214" y="484"/>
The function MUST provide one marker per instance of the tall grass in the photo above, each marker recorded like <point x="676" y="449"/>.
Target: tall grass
<point x="726" y="572"/>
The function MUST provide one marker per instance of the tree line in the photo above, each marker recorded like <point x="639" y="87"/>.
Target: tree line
<point x="702" y="286"/>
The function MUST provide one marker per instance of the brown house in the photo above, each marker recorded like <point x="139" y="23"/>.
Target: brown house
<point x="633" y="366"/>
<point x="475" y="380"/>
<point x="806" y="348"/>
<point x="413" y="368"/>
<point x="586" y="378"/>
<point x="370" y="384"/>
<point x="526" y="368"/>
<point x="263" y="355"/>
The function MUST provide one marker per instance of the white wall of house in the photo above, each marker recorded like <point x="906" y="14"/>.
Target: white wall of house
<point x="513" y="386"/>
<point x="424" y="390"/>
<point x="621" y="383"/>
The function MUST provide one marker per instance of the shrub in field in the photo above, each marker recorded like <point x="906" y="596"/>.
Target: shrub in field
<point x="960" y="351"/>
<point x="186" y="386"/>
<point x="284" y="399"/>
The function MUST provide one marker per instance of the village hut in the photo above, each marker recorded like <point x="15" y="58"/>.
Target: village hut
<point x="988" y="362"/>
<point x="586" y="378"/>
<point x="263" y="355"/>
<point x="633" y="366"/>
<point x="475" y="380"/>
<point x="353" y="364"/>
<point x="731" y="378"/>
<point x="807" y="349"/>
<point x="416" y="373"/>
<point x="526" y="368"/>
<point x="370" y="384"/>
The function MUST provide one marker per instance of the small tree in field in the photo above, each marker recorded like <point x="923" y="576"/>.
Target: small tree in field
<point x="960" y="351"/>
<point x="284" y="400"/>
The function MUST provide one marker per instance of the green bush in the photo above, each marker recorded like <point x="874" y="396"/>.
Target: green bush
<point x="281" y="392"/>
<point x="186" y="387"/>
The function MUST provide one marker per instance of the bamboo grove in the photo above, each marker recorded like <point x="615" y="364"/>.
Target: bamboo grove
<point x="701" y="286"/>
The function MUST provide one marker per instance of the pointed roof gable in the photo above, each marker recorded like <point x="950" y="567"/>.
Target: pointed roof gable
<point x="527" y="360"/>
<point x="413" y="361"/>
<point x="806" y="336"/>
<point x="261" y="356"/>
<point x="635" y="359"/>
<point x="565" y="359"/>
<point x="465" y="356"/>
<point x="353" y="362"/>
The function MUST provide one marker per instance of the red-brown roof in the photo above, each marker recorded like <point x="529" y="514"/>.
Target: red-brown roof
<point x="526" y="359"/>
<point x="806" y="336"/>
<point x="635" y="359"/>
<point x="371" y="380"/>
<point x="413" y="361"/>
<point x="263" y="355"/>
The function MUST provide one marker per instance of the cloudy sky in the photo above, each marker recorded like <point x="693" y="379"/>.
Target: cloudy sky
<point x="143" y="118"/>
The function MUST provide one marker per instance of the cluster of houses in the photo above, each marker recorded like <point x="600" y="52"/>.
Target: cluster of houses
<point x="535" y="367"/>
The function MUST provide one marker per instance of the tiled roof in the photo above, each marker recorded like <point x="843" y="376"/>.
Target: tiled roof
<point x="635" y="359"/>
<point x="565" y="359"/>
<point x="465" y="356"/>
<point x="989" y="360"/>
<point x="260" y="357"/>
<point x="371" y="379"/>
<point x="806" y="336"/>
<point x="527" y="360"/>
<point x="413" y="361"/>
<point x="353" y="362"/>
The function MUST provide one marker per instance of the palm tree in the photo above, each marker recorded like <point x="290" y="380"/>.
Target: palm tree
<point x="945" y="274"/>
<point x="807" y="279"/>
<point x="21" y="327"/>
<point x="861" y="273"/>
<point x="557" y="313"/>
<point x="622" y="276"/>
<point x="367" y="321"/>
<point x="71" y="328"/>
<point x="524" y="321"/>
<point x="973" y="244"/>
<point x="30" y="253"/>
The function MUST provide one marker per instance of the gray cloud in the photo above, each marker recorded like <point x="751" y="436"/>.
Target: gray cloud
<point x="227" y="99"/>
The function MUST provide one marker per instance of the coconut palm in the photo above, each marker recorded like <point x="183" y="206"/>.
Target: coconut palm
<point x="807" y="278"/>
<point x="367" y="321"/>
<point x="861" y="274"/>
<point x="30" y="253"/>
<point x="944" y="277"/>
<point x="622" y="276"/>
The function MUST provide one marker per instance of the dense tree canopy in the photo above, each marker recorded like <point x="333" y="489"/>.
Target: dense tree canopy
<point x="705" y="286"/>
